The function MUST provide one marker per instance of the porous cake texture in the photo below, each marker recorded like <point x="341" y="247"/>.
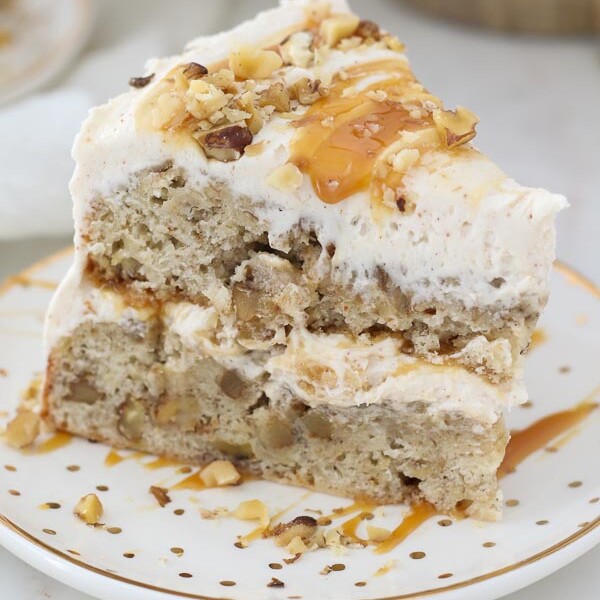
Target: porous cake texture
<point x="289" y="255"/>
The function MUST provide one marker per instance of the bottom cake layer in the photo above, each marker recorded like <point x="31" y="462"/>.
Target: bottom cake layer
<point x="131" y="384"/>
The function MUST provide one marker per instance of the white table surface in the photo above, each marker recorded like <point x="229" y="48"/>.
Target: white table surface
<point x="539" y="101"/>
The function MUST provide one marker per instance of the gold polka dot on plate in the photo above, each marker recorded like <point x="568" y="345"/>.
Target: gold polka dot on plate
<point x="102" y="488"/>
<point x="512" y="502"/>
<point x="594" y="500"/>
<point x="360" y="583"/>
<point x="14" y="493"/>
<point x="185" y="575"/>
<point x="444" y="575"/>
<point x="444" y="523"/>
<point x="417" y="555"/>
<point x="227" y="583"/>
<point x="10" y="468"/>
<point x="584" y="524"/>
<point x="575" y="484"/>
<point x="178" y="511"/>
<point x="542" y="522"/>
<point x="114" y="530"/>
<point x="128" y="554"/>
<point x="49" y="531"/>
<point x="488" y="544"/>
<point x="338" y="567"/>
<point x="73" y="468"/>
<point x="275" y="566"/>
<point x="177" y="551"/>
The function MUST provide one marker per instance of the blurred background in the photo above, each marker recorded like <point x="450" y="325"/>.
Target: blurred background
<point x="529" y="68"/>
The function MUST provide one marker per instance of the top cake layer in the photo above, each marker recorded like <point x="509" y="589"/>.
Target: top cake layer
<point x="329" y="130"/>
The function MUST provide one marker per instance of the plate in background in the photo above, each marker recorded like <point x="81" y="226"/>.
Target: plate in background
<point x="552" y="512"/>
<point x="38" y="38"/>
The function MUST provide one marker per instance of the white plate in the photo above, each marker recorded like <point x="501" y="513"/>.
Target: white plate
<point x="552" y="524"/>
<point x="38" y="38"/>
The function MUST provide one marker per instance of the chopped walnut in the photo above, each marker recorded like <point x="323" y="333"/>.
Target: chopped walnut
<point x="223" y="79"/>
<point x="194" y="70"/>
<point x="161" y="495"/>
<point x="349" y="43"/>
<point x="23" y="429"/>
<point x="89" y="509"/>
<point x="276" y="96"/>
<point x="169" y="111"/>
<point x="226" y="143"/>
<point x="220" y="473"/>
<point x="297" y="50"/>
<point x="334" y="29"/>
<point x="140" y="82"/>
<point x="248" y="62"/>
<point x="132" y="416"/>
<point x="296" y="547"/>
<point x="368" y="30"/>
<point x="455" y="127"/>
<point x="393" y="43"/>
<point x="247" y="102"/>
<point x="203" y="99"/>
<point x="253" y="510"/>
<point x="377" y="95"/>
<point x="303" y="527"/>
<point x="403" y="160"/>
<point x="308" y="91"/>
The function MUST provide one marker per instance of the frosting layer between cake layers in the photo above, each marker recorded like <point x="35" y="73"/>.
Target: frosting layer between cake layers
<point x="317" y="368"/>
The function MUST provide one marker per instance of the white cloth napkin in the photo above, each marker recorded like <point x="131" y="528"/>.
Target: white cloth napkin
<point x="36" y="132"/>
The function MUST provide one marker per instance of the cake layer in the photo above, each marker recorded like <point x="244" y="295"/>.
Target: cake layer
<point x="337" y="161"/>
<point x="330" y="413"/>
<point x="195" y="243"/>
<point x="316" y="368"/>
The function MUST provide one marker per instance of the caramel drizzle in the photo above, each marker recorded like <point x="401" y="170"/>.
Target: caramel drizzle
<point x="331" y="146"/>
<point x="27" y="281"/>
<point x="538" y="337"/>
<point x="525" y="442"/>
<point x="55" y="442"/>
<point x="522" y="444"/>
<point x="113" y="458"/>
<point x="418" y="514"/>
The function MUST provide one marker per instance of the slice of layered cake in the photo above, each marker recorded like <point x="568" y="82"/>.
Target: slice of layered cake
<point x="290" y="256"/>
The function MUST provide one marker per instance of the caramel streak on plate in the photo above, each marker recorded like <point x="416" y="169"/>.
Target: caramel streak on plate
<point x="525" y="442"/>
<point x="575" y="278"/>
<point x="418" y="514"/>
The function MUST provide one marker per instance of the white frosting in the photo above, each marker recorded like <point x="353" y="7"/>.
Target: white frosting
<point x="472" y="224"/>
<point x="334" y="369"/>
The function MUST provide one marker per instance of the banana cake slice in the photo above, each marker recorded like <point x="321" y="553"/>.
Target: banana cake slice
<point x="290" y="255"/>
